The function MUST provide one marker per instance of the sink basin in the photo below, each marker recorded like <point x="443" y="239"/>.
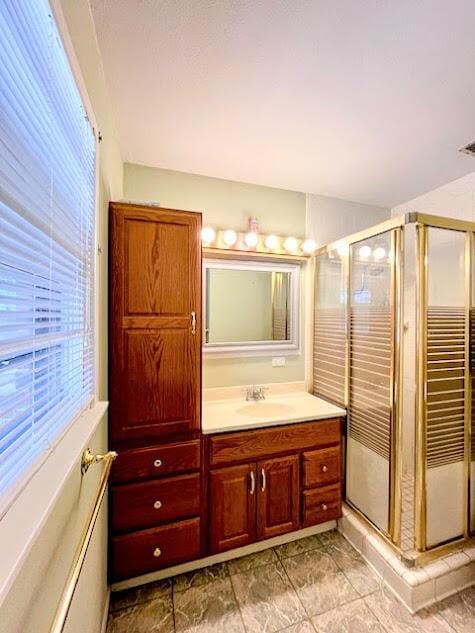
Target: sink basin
<point x="265" y="410"/>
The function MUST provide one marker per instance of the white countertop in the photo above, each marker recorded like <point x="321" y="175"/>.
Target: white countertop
<point x="236" y="414"/>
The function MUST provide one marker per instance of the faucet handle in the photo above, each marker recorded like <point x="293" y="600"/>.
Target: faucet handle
<point x="250" y="391"/>
<point x="260" y="392"/>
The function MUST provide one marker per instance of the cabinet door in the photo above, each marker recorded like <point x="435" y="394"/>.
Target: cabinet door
<point x="277" y="496"/>
<point x="232" y="507"/>
<point x="155" y="308"/>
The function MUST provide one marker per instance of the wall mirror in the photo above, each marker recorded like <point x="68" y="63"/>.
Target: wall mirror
<point x="250" y="307"/>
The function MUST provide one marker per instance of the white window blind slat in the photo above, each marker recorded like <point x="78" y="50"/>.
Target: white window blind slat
<point x="47" y="219"/>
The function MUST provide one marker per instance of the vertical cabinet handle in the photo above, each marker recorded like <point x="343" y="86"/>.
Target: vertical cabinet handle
<point x="253" y="482"/>
<point x="193" y="322"/>
<point x="263" y="475"/>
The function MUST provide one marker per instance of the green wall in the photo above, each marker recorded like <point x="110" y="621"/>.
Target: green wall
<point x="228" y="204"/>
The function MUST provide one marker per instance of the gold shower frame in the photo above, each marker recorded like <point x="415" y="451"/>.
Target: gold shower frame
<point x="396" y="227"/>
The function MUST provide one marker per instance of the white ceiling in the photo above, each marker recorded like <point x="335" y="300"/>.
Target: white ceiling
<point x="366" y="100"/>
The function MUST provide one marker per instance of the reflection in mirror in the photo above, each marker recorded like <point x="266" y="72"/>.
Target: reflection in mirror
<point x="247" y="305"/>
<point x="250" y="304"/>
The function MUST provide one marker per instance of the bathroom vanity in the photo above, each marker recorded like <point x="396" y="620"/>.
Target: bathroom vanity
<point x="187" y="485"/>
<point x="177" y="502"/>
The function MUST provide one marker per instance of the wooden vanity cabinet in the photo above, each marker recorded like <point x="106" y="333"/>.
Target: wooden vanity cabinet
<point x="253" y="501"/>
<point x="156" y="496"/>
<point x="155" y="323"/>
<point x="275" y="483"/>
<point x="233" y="502"/>
<point x="278" y="496"/>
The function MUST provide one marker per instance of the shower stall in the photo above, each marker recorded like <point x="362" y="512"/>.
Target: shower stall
<point x="393" y="335"/>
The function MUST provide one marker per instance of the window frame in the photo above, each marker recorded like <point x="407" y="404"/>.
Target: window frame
<point x="11" y="496"/>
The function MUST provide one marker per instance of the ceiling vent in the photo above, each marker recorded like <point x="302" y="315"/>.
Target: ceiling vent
<point x="469" y="149"/>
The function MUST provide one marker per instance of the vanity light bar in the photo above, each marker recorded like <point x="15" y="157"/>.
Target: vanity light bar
<point x="252" y="241"/>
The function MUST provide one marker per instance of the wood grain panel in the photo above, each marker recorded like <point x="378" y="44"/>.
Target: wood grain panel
<point x="150" y="503"/>
<point x="260" y="443"/>
<point x="321" y="504"/>
<point x="155" y="461"/>
<point x="135" y="554"/>
<point x="278" y="503"/>
<point x="321" y="467"/>
<point x="232" y="507"/>
<point x="155" y="358"/>
<point x="158" y="389"/>
<point x="155" y="267"/>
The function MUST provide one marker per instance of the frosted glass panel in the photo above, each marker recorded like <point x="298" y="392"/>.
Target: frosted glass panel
<point x="369" y="420"/>
<point x="445" y="410"/>
<point x="330" y="327"/>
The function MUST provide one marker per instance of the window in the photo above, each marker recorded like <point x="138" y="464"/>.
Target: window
<point x="47" y="211"/>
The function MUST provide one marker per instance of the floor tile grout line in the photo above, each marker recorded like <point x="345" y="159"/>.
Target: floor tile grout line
<point x="375" y="615"/>
<point x="244" y="627"/>
<point x="379" y="579"/>
<point x="294" y="589"/>
<point x="173" y="606"/>
<point x="139" y="602"/>
<point x="452" y="628"/>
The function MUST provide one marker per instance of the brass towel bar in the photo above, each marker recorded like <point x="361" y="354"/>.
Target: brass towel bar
<point x="64" y="605"/>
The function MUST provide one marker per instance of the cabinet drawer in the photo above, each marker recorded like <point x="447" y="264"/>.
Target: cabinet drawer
<point x="150" y="503"/>
<point x="145" y="463"/>
<point x="263" y="443"/>
<point x="321" y="467"/>
<point x="146" y="551"/>
<point x="321" y="504"/>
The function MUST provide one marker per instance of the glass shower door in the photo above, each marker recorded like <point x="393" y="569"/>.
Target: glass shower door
<point x="371" y="369"/>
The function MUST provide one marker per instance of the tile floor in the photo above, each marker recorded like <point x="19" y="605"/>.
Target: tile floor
<point x="318" y="584"/>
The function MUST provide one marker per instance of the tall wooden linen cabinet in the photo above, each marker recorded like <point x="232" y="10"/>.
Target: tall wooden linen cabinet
<point x="155" y="387"/>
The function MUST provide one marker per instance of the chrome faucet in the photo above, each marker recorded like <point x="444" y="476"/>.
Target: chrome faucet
<point x="254" y="392"/>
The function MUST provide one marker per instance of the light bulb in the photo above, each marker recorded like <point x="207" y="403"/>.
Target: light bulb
<point x="251" y="239"/>
<point x="290" y="245"/>
<point x="229" y="237"/>
<point x="342" y="250"/>
<point x="271" y="242"/>
<point x="379" y="253"/>
<point x="208" y="235"/>
<point x="309" y="246"/>
<point x="364" y="252"/>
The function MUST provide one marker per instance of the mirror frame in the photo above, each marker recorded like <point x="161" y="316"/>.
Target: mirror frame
<point x="257" y="348"/>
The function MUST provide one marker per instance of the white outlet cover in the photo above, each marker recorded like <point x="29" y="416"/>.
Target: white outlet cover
<point x="278" y="361"/>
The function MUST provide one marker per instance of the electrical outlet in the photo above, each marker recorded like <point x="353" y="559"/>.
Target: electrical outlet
<point x="278" y="361"/>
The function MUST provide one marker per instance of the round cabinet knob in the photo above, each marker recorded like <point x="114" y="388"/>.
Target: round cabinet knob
<point x="157" y="463"/>
<point x="157" y="552"/>
<point x="157" y="505"/>
<point x="324" y="469"/>
<point x="324" y="507"/>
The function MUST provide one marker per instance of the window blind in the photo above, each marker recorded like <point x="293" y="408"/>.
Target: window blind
<point x="47" y="190"/>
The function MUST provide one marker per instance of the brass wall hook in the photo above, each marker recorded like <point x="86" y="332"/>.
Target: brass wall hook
<point x="88" y="458"/>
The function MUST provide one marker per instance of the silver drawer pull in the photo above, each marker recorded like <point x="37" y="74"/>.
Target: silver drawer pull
<point x="324" y="507"/>
<point x="324" y="469"/>
<point x="157" y="505"/>
<point x="157" y="552"/>
<point x="157" y="463"/>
